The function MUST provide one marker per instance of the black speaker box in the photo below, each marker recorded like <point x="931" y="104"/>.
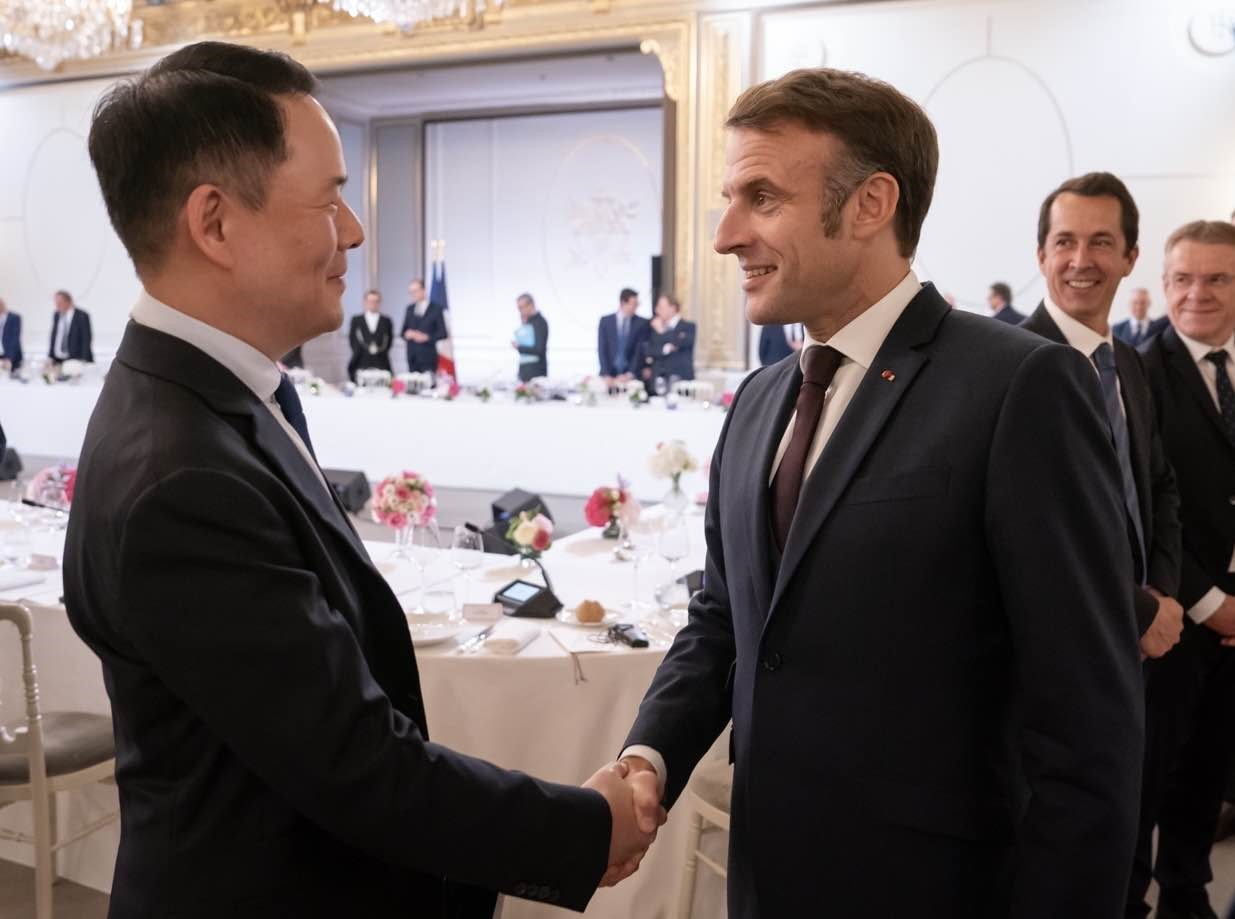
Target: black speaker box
<point x="350" y="485"/>
<point x="515" y="502"/>
<point x="10" y="465"/>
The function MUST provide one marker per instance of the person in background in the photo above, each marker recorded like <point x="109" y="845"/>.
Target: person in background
<point x="620" y="337"/>
<point x="370" y="336"/>
<point x="669" y="352"/>
<point x="10" y="337"/>
<point x="70" y="331"/>
<point x="777" y="342"/>
<point x="1190" y="693"/>
<point x="531" y="340"/>
<point x="423" y="327"/>
<point x="1138" y="328"/>
<point x="999" y="299"/>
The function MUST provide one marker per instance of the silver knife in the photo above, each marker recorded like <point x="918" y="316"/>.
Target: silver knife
<point x="476" y="640"/>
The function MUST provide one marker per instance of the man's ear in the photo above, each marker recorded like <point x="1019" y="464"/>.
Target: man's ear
<point x="205" y="213"/>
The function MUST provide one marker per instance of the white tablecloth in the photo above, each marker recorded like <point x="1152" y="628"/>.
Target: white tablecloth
<point x="527" y="712"/>
<point x="546" y="447"/>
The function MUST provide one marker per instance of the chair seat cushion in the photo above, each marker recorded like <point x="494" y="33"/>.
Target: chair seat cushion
<point x="71" y="741"/>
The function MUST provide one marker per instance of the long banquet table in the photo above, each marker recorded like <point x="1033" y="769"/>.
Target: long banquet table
<point x="559" y="448"/>
<point x="530" y="711"/>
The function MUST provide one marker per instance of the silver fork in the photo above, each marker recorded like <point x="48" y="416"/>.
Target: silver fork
<point x="473" y="644"/>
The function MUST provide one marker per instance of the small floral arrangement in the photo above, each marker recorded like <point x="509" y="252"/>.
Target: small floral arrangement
<point x="671" y="459"/>
<point x="53" y="486"/>
<point x="531" y="533"/>
<point x="404" y="499"/>
<point x="484" y="393"/>
<point x="397" y="388"/>
<point x="726" y="400"/>
<point x="526" y="392"/>
<point x="611" y="507"/>
<point x="315" y="386"/>
<point x="447" y="387"/>
<point x="638" y="396"/>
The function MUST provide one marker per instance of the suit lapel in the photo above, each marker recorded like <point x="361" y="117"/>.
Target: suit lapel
<point x="1180" y="361"/>
<point x="1041" y="323"/>
<point x="864" y="418"/>
<point x="1137" y="413"/>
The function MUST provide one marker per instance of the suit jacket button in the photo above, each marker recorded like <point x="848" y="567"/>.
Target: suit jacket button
<point x="771" y="661"/>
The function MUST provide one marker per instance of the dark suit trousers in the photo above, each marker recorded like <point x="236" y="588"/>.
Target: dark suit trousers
<point x="1190" y="742"/>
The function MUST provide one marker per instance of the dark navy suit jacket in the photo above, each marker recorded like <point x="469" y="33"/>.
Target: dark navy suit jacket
<point x="773" y="346"/>
<point x="612" y="361"/>
<point x="10" y="339"/>
<point x="1123" y="331"/>
<point x="79" y="340"/>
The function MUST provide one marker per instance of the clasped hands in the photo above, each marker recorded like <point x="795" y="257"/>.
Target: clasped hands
<point x="633" y="794"/>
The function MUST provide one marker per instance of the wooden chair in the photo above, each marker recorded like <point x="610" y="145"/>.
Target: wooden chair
<point x="707" y="795"/>
<point x="55" y="751"/>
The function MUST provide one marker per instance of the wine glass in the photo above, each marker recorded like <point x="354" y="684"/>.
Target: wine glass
<point x="661" y="386"/>
<point x="635" y="547"/>
<point x="673" y="545"/>
<point x="466" y="553"/>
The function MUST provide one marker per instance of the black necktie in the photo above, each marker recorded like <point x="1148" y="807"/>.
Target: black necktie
<point x="1226" y="395"/>
<point x="1104" y="360"/>
<point x="819" y="365"/>
<point x="289" y="404"/>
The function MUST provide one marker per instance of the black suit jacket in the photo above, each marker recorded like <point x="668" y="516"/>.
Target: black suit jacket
<point x="957" y="568"/>
<point x="1123" y="331"/>
<point x="422" y="357"/>
<point x="10" y="339"/>
<point x="370" y="350"/>
<point x="773" y="346"/>
<point x="680" y="362"/>
<point x="272" y="751"/>
<point x="1156" y="490"/>
<point x="1204" y="460"/>
<point x="79" y="340"/>
<point x="607" y="344"/>
<point x="1009" y="315"/>
<point x="539" y="348"/>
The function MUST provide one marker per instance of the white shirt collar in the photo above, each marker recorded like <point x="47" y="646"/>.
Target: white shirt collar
<point x="1198" y="349"/>
<point x="250" y="366"/>
<point x="673" y="323"/>
<point x="1077" y="334"/>
<point x="862" y="337"/>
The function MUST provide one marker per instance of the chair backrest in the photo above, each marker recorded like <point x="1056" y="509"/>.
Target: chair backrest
<point x="29" y="744"/>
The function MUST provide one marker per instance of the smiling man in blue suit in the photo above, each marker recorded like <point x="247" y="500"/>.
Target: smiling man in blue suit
<point x="917" y="604"/>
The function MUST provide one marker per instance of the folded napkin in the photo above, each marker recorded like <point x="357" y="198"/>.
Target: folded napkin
<point x="11" y="580"/>
<point x="511" y="636"/>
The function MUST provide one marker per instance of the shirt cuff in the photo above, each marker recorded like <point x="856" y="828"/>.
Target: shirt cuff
<point x="1206" y="606"/>
<point x="657" y="761"/>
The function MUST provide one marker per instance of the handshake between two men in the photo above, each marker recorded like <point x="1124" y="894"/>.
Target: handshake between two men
<point x="632" y="790"/>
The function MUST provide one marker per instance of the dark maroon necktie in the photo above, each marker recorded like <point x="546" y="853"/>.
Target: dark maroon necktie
<point x="819" y="364"/>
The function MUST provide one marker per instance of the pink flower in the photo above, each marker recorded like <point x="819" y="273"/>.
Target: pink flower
<point x="726" y="399"/>
<point x="396" y="520"/>
<point x="397" y="387"/>
<point x="541" y="541"/>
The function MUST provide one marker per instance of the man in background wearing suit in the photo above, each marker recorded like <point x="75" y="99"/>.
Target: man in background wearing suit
<point x="777" y="342"/>
<point x="370" y="335"/>
<point x="1138" y="328"/>
<point x="531" y="340"/>
<point x="917" y="575"/>
<point x="272" y="755"/>
<point x="620" y="338"/>
<point x="424" y="326"/>
<point x="1190" y="693"/>
<point x="10" y="337"/>
<point x="1087" y="244"/>
<point x="70" y="331"/>
<point x="669" y="351"/>
<point x="999" y="299"/>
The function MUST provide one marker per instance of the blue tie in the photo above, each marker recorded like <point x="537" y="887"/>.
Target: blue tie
<point x="619" y="359"/>
<point x="289" y="404"/>
<point x="1226" y="395"/>
<point x="1104" y="360"/>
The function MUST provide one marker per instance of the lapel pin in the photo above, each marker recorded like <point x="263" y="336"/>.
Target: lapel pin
<point x="888" y="375"/>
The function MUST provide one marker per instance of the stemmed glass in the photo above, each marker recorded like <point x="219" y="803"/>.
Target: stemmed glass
<point x="635" y="548"/>
<point x="673" y="544"/>
<point x="466" y="553"/>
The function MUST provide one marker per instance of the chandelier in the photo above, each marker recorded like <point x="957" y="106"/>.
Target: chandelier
<point x="52" y="31"/>
<point x="406" y="15"/>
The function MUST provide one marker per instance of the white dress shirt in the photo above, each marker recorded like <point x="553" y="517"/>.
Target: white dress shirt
<point x="1085" y="340"/>
<point x="249" y="365"/>
<point x="422" y="307"/>
<point x="61" y="352"/>
<point x="370" y="319"/>
<point x="1208" y="604"/>
<point x="672" y="324"/>
<point x="858" y="342"/>
<point x="793" y="333"/>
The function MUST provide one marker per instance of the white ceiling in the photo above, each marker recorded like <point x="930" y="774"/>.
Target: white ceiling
<point x="621" y="76"/>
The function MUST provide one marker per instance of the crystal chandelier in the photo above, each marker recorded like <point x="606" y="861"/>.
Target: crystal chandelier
<point x="406" y="15"/>
<point x="51" y="31"/>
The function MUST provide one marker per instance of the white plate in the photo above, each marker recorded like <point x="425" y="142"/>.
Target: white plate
<point x="432" y="633"/>
<point x="567" y="616"/>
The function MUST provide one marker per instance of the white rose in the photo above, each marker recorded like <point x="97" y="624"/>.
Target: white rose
<point x="525" y="533"/>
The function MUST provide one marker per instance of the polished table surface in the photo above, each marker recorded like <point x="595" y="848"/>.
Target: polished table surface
<point x="545" y="711"/>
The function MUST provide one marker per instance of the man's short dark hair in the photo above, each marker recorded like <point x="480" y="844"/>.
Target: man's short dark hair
<point x="373" y="292"/>
<point x="627" y="295"/>
<point x="1003" y="292"/>
<point x="420" y="281"/>
<point x="525" y="298"/>
<point x="207" y="113"/>
<point x="881" y="130"/>
<point x="1095" y="185"/>
<point x="65" y="294"/>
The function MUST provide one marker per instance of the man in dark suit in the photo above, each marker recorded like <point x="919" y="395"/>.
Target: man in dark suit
<point x="531" y="340"/>
<point x="620" y="336"/>
<point x="1190" y="693"/>
<point x="424" y="325"/>
<point x="272" y="754"/>
<point x="669" y="351"/>
<point x="1138" y="328"/>
<point x="895" y="613"/>
<point x="999" y="298"/>
<point x="1087" y="243"/>
<point x="777" y="342"/>
<point x="70" y="331"/>
<point x="10" y="337"/>
<point x="370" y="336"/>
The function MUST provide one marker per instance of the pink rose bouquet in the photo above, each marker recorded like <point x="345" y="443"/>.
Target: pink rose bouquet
<point x="404" y="499"/>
